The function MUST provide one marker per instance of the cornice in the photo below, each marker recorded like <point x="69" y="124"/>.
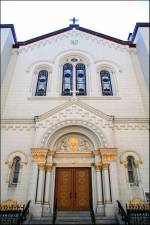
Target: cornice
<point x="17" y="121"/>
<point x="75" y="28"/>
<point x="130" y="120"/>
<point x="69" y="98"/>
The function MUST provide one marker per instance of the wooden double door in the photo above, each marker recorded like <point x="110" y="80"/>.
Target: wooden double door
<point x="73" y="189"/>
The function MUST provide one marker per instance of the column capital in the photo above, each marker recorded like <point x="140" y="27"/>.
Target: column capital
<point x="41" y="166"/>
<point x="105" y="165"/>
<point x="98" y="166"/>
<point x="49" y="166"/>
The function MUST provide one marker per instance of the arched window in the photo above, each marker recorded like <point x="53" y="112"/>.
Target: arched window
<point x="41" y="83"/>
<point x="106" y="83"/>
<point x="15" y="170"/>
<point x="67" y="79"/>
<point x="80" y="79"/>
<point x="132" y="172"/>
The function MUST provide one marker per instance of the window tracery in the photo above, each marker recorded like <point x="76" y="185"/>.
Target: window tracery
<point x="74" y="76"/>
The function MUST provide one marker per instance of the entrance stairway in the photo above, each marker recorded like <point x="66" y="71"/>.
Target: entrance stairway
<point x="73" y="217"/>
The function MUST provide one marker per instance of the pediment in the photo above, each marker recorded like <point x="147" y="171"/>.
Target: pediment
<point x="70" y="30"/>
<point x="74" y="109"/>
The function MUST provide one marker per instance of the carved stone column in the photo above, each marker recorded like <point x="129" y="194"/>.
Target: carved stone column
<point x="47" y="184"/>
<point x="100" y="200"/>
<point x="40" y="186"/>
<point x="107" y="193"/>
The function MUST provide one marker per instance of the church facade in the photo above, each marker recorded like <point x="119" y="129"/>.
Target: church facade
<point x="75" y="120"/>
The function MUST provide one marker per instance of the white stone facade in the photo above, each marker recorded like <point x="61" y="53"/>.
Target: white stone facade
<point x="116" y="123"/>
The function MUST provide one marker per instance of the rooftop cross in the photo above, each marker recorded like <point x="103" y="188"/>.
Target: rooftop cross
<point x="74" y="20"/>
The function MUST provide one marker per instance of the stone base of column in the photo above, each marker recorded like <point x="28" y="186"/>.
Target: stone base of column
<point x="109" y="209"/>
<point x="46" y="210"/>
<point x="100" y="209"/>
<point x="36" y="210"/>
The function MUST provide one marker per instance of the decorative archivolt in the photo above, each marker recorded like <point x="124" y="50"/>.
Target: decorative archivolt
<point x="113" y="70"/>
<point x="20" y="154"/>
<point x="100" y="137"/>
<point x="85" y="56"/>
<point x="124" y="155"/>
<point x="40" y="64"/>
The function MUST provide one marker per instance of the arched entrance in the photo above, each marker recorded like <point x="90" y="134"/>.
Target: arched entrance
<point x="73" y="189"/>
<point x="69" y="153"/>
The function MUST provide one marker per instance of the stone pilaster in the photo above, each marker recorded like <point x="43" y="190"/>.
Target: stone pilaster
<point x="100" y="201"/>
<point x="40" y="186"/>
<point x="47" y="183"/>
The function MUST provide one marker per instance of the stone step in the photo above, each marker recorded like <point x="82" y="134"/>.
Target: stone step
<point x="71" y="218"/>
<point x="75" y="222"/>
<point x="106" y="220"/>
<point x="68" y="213"/>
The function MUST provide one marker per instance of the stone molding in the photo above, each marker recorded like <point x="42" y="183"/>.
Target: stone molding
<point x="74" y="122"/>
<point x="70" y="98"/>
<point x="74" y="105"/>
<point x="22" y="155"/>
<point x="137" y="158"/>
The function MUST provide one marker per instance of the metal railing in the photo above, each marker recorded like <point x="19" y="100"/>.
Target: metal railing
<point x="92" y="213"/>
<point x="123" y="213"/>
<point x="135" y="214"/>
<point x="54" y="212"/>
<point x="14" y="214"/>
<point x="138" y="214"/>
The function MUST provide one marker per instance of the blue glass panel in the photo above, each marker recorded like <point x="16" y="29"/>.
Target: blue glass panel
<point x="106" y="83"/>
<point x="67" y="79"/>
<point x="80" y="79"/>
<point x="42" y="83"/>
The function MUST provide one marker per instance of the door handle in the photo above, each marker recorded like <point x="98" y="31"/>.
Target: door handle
<point x="70" y="195"/>
<point x="75" y="195"/>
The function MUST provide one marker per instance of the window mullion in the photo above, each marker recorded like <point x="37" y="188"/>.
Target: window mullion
<point x="74" y="80"/>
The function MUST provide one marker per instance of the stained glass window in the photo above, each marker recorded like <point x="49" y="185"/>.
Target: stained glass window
<point x="132" y="174"/>
<point x="106" y="83"/>
<point x="80" y="79"/>
<point x="15" y="169"/>
<point x="42" y="83"/>
<point x="67" y="79"/>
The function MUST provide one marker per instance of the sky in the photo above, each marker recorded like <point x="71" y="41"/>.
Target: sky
<point x="35" y="18"/>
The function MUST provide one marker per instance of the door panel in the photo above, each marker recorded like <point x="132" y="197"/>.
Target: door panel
<point x="81" y="189"/>
<point x="64" y="189"/>
<point x="72" y="188"/>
